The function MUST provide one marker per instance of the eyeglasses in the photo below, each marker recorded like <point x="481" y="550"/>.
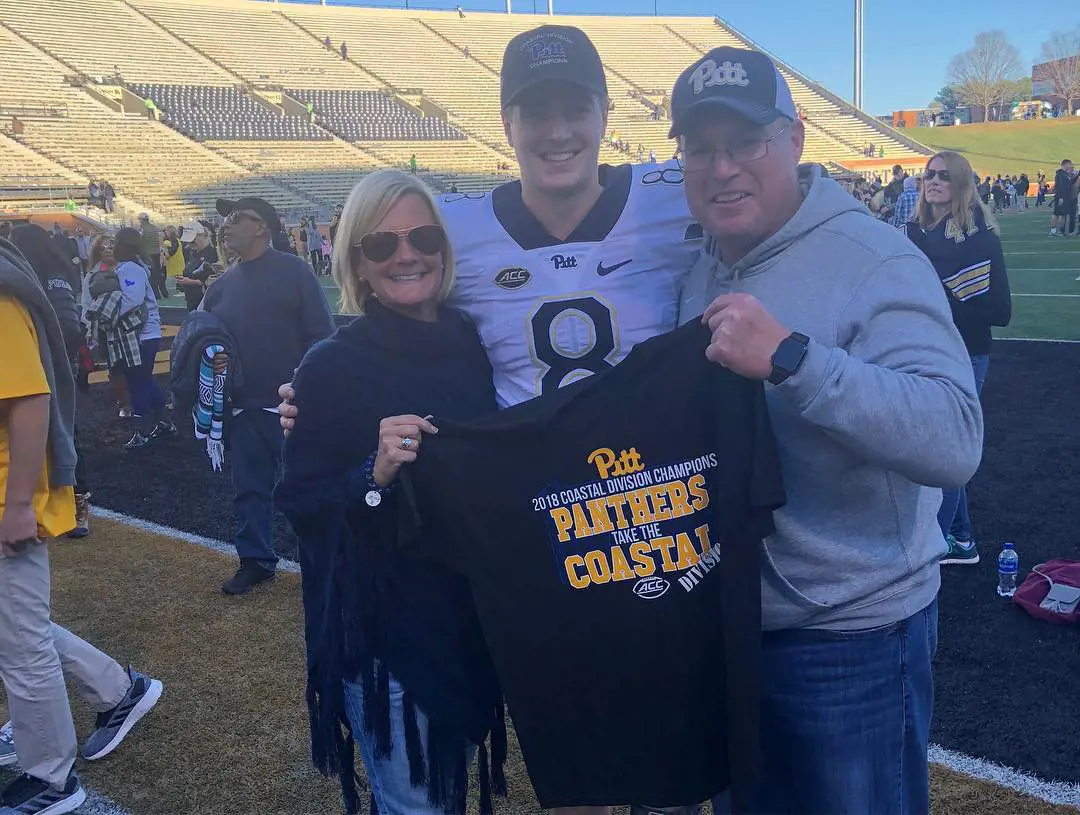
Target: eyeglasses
<point x="237" y="214"/>
<point x="941" y="174"/>
<point x="377" y="247"/>
<point x="703" y="157"/>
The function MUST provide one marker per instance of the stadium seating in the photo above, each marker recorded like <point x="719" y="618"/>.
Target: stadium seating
<point x="230" y="78"/>
<point x="255" y="42"/>
<point x="97" y="37"/>
<point x="203" y="112"/>
<point x="372" y="116"/>
<point x="324" y="171"/>
<point x="148" y="163"/>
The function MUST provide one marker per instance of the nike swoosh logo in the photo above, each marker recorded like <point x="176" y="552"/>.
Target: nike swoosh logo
<point x="603" y="270"/>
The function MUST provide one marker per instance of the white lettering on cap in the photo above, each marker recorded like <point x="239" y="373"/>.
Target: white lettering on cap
<point x="709" y="74"/>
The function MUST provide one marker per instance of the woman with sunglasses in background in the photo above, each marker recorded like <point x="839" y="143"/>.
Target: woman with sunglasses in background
<point x="956" y="230"/>
<point x="395" y="654"/>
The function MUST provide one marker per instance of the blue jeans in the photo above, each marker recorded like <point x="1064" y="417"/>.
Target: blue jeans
<point x="846" y="720"/>
<point x="255" y="442"/>
<point x="953" y="517"/>
<point x="147" y="400"/>
<point x="389" y="777"/>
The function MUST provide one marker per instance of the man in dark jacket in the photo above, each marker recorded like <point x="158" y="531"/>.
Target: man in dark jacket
<point x="273" y="307"/>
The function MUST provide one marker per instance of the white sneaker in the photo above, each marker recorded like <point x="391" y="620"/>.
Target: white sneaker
<point x="7" y="746"/>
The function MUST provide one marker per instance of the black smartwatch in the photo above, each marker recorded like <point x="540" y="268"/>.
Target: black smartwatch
<point x="789" y="357"/>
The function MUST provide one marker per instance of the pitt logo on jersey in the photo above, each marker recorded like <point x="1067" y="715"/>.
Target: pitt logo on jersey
<point x="564" y="261"/>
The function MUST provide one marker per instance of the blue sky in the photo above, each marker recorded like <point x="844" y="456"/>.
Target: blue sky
<point x="907" y="46"/>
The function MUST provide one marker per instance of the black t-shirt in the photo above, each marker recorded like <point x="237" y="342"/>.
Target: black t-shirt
<point x="611" y="534"/>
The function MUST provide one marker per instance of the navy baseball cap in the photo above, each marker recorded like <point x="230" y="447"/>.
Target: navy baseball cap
<point x="550" y="52"/>
<point x="739" y="79"/>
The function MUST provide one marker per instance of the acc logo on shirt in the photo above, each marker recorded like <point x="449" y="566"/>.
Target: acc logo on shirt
<point x="512" y="278"/>
<point x="649" y="588"/>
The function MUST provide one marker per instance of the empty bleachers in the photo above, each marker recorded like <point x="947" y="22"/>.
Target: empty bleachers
<point x="99" y="37"/>
<point x="255" y="42"/>
<point x="146" y="161"/>
<point x="231" y="78"/>
<point x="207" y="113"/>
<point x="324" y="171"/>
<point x="372" y="116"/>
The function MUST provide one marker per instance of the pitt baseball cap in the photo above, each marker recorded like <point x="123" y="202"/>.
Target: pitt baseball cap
<point x="739" y="79"/>
<point x="551" y="52"/>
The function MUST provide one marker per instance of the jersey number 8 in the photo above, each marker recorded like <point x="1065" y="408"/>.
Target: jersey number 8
<point x="572" y="339"/>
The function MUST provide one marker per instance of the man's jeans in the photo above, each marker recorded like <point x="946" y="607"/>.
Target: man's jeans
<point x="846" y="720"/>
<point x="953" y="517"/>
<point x="255" y="442"/>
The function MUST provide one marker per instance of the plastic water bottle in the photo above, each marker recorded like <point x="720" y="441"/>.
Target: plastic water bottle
<point x="1008" y="562"/>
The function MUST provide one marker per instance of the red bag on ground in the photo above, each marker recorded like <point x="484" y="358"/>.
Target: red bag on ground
<point x="1051" y="592"/>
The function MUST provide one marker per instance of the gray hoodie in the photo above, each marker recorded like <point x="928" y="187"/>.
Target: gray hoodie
<point x="18" y="279"/>
<point x="882" y="414"/>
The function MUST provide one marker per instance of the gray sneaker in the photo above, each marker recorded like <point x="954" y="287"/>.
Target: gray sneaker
<point x="113" y="725"/>
<point x="7" y="746"/>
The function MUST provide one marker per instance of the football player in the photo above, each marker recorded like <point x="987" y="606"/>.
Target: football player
<point x="565" y="270"/>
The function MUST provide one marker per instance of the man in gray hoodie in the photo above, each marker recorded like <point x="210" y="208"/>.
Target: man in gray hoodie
<point x="874" y="408"/>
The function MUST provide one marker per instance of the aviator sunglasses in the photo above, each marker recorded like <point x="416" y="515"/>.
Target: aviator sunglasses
<point x="942" y="174"/>
<point x="377" y="247"/>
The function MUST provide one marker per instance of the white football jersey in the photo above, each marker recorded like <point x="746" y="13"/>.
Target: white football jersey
<point x="552" y="312"/>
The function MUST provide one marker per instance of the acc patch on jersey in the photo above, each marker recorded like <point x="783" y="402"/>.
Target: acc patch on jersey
<point x="512" y="278"/>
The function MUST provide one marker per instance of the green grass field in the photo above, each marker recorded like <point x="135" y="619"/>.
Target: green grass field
<point x="1044" y="274"/>
<point x="1008" y="147"/>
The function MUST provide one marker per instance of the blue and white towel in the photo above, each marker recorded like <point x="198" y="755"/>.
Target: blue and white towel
<point x="209" y="412"/>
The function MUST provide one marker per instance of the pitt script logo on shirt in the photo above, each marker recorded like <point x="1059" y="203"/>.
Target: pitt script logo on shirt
<point x="634" y="524"/>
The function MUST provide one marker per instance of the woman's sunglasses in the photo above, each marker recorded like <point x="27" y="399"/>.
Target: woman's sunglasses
<point x="941" y="174"/>
<point x="380" y="246"/>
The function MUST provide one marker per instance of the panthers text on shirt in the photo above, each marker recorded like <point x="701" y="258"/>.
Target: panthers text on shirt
<point x="552" y="312"/>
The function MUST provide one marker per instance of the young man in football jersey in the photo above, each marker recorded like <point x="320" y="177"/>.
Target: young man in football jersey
<point x="872" y="397"/>
<point x="565" y="270"/>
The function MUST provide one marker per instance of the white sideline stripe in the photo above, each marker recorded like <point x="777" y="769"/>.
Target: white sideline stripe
<point x="1033" y="339"/>
<point x="221" y="547"/>
<point x="1045" y="270"/>
<point x="1053" y="792"/>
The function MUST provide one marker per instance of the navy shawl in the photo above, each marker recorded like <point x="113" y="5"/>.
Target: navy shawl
<point x="373" y="604"/>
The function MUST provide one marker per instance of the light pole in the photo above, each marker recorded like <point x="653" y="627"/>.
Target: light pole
<point x="858" y="52"/>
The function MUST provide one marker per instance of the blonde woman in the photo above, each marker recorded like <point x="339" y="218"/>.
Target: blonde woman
<point x="960" y="236"/>
<point x="395" y="653"/>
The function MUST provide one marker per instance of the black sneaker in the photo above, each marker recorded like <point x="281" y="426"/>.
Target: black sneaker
<point x="162" y="428"/>
<point x="27" y="795"/>
<point x="248" y="576"/>
<point x="136" y="442"/>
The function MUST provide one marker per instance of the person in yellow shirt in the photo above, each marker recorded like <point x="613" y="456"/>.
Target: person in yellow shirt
<point x="37" y="503"/>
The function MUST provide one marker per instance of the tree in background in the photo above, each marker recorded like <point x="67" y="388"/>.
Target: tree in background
<point x="948" y="98"/>
<point x="983" y="74"/>
<point x="1062" y="54"/>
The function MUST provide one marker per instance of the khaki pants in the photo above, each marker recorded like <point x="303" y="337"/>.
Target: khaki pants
<point x="34" y="656"/>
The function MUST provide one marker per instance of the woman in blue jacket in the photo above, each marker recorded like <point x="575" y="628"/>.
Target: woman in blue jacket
<point x="396" y="659"/>
<point x="954" y="228"/>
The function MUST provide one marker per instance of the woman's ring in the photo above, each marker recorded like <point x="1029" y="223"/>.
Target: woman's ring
<point x="406" y="443"/>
